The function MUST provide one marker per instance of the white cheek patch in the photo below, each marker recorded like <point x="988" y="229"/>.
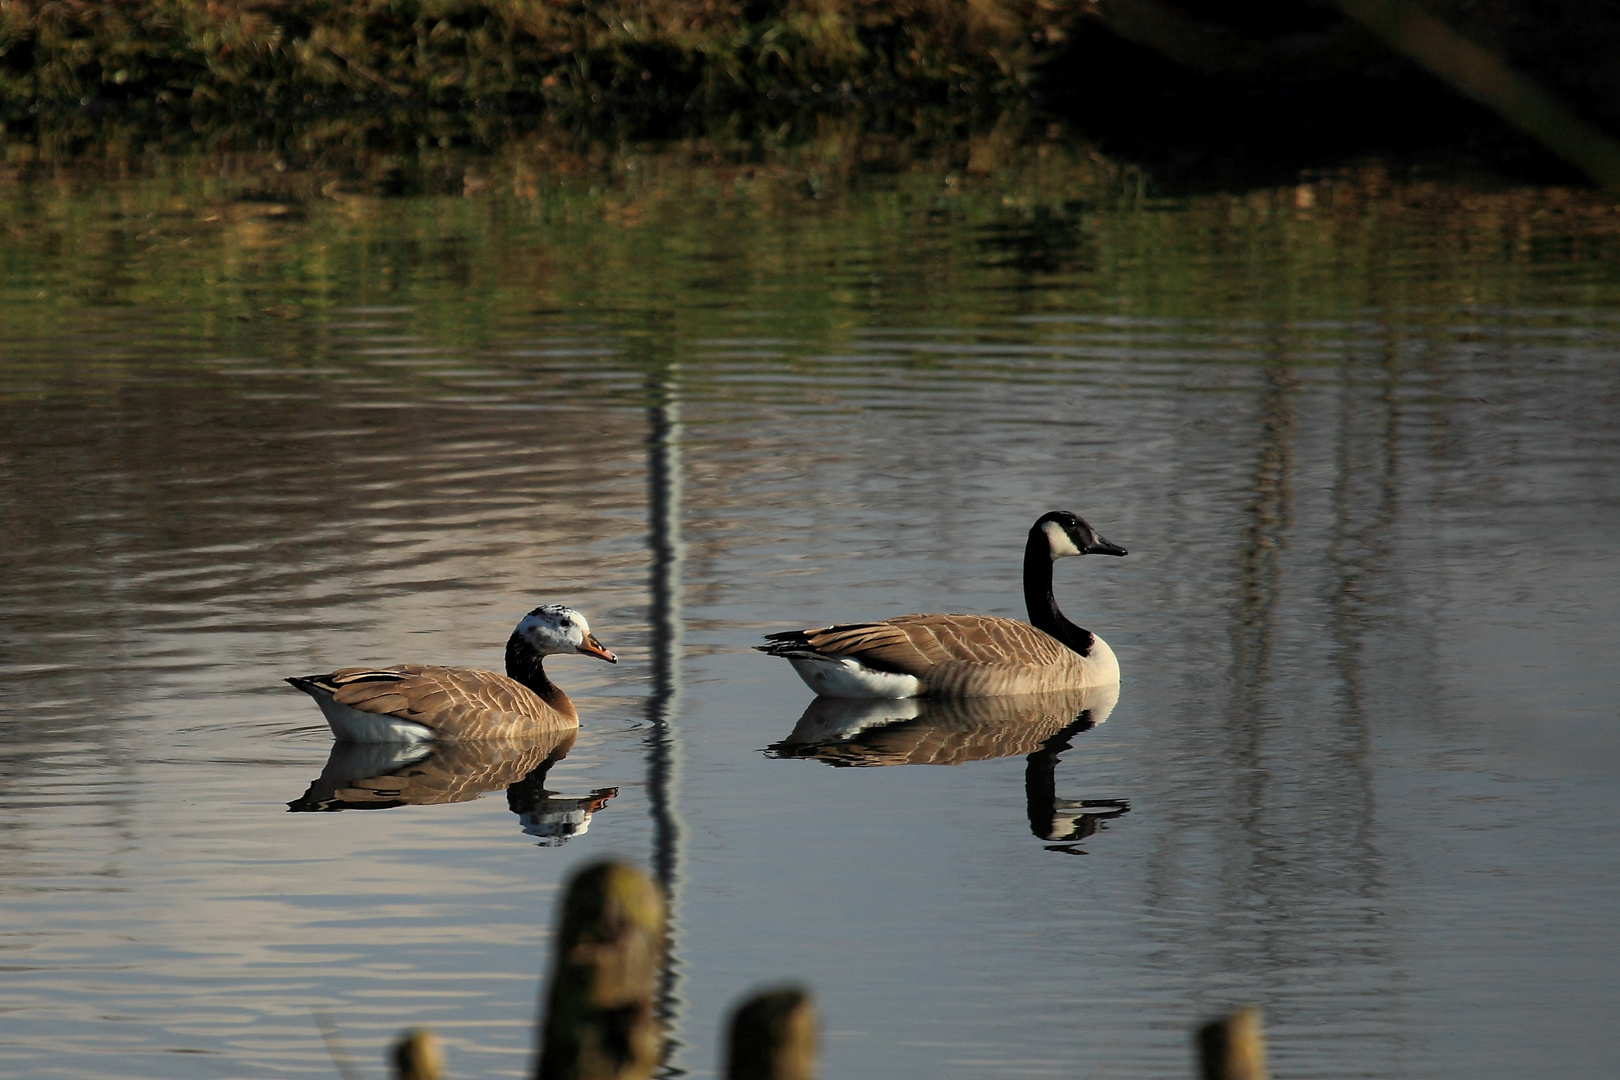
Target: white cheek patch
<point x="1058" y="541"/>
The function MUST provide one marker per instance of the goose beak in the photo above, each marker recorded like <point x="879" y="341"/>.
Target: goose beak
<point x="591" y="647"/>
<point x="1103" y="547"/>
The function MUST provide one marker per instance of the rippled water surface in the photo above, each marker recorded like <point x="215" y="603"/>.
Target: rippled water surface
<point x="1359" y="437"/>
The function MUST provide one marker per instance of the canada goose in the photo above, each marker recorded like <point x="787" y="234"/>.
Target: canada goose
<point x="418" y="703"/>
<point x="965" y="655"/>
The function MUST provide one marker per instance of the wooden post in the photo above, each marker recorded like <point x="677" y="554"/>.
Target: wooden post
<point x="1233" y="1048"/>
<point x="599" y="1022"/>
<point x="773" y="1037"/>
<point x="418" y="1056"/>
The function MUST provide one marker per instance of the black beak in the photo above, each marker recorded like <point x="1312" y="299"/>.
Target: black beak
<point x="1100" y="546"/>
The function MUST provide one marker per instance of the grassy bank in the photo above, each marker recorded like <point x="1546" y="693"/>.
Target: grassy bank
<point x="654" y="54"/>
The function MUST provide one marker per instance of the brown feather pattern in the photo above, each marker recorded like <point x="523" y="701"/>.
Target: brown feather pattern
<point x="957" y="656"/>
<point x="953" y="655"/>
<point x="455" y="703"/>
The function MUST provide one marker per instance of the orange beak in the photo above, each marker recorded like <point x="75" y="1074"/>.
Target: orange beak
<point x="591" y="647"/>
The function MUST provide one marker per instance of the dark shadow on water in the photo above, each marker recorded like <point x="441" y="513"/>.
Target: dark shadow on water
<point x="937" y="732"/>
<point x="1182" y="133"/>
<point x="1195" y="133"/>
<point x="361" y="776"/>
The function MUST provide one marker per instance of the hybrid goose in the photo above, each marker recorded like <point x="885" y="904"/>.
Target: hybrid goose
<point x="961" y="656"/>
<point x="412" y="703"/>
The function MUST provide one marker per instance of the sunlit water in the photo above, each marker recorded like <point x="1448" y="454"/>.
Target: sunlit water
<point x="1360" y="772"/>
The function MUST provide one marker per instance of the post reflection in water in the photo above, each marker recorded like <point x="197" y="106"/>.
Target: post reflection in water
<point x="924" y="731"/>
<point x="664" y="537"/>
<point x="380" y="776"/>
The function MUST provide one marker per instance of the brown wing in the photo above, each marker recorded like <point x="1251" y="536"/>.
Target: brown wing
<point x="912" y="644"/>
<point x="454" y="702"/>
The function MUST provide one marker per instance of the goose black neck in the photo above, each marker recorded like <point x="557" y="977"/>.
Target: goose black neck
<point x="1038" y="598"/>
<point x="523" y="664"/>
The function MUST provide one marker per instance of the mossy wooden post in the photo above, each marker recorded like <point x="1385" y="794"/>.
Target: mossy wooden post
<point x="773" y="1037"/>
<point x="418" y="1056"/>
<point x="599" y="1022"/>
<point x="1232" y="1048"/>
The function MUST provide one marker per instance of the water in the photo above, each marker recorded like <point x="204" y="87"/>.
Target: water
<point x="257" y="419"/>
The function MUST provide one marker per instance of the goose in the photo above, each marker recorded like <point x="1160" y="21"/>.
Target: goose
<point x="959" y="656"/>
<point x="414" y="703"/>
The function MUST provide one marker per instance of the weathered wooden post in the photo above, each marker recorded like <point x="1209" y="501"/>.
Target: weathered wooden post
<point x="1232" y="1048"/>
<point x="773" y="1037"/>
<point x="598" y="1022"/>
<point x="418" y="1056"/>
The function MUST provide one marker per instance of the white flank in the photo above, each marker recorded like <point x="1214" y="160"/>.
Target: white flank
<point x="842" y="677"/>
<point x="352" y="725"/>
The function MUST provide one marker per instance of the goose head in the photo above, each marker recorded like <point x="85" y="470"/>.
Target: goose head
<point x="1068" y="534"/>
<point x="554" y="628"/>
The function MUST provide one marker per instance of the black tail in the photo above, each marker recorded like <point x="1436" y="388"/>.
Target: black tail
<point x="786" y="643"/>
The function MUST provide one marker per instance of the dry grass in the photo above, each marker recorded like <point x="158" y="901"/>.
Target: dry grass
<point x="661" y="53"/>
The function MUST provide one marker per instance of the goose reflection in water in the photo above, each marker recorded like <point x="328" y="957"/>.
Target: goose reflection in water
<point x="379" y="776"/>
<point x="931" y="731"/>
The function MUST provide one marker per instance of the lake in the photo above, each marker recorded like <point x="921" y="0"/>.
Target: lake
<point x="266" y="412"/>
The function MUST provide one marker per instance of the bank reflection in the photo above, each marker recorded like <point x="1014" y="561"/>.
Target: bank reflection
<point x="920" y="731"/>
<point x="361" y="776"/>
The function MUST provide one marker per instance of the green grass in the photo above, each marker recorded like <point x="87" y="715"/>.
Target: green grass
<point x="831" y="223"/>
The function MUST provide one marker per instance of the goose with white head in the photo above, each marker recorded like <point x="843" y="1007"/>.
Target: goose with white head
<point x="959" y="656"/>
<point x="415" y="703"/>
